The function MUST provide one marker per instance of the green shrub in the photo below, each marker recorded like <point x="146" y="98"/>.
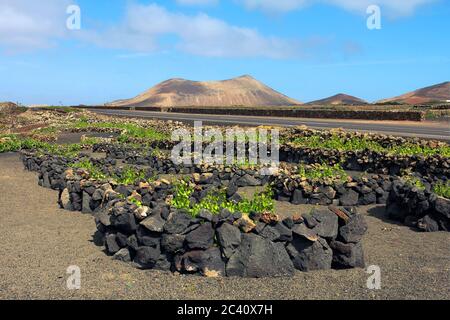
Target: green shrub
<point x="90" y="141"/>
<point x="13" y="143"/>
<point x="10" y="144"/>
<point x="413" y="181"/>
<point x="62" y="109"/>
<point x="183" y="191"/>
<point x="130" y="175"/>
<point x="64" y="150"/>
<point x="135" y="202"/>
<point x="322" y="171"/>
<point x="130" y="130"/>
<point x="216" y="201"/>
<point x="86" y="164"/>
<point x="355" y="144"/>
<point x="442" y="189"/>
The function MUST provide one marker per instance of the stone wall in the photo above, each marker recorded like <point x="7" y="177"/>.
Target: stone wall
<point x="370" y="161"/>
<point x="290" y="113"/>
<point x="414" y="207"/>
<point x="363" y="161"/>
<point x="231" y="244"/>
<point x="155" y="235"/>
<point x="359" y="190"/>
<point x="418" y="208"/>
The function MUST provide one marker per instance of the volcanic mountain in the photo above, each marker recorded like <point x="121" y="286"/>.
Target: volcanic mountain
<point x="242" y="91"/>
<point x="339" y="99"/>
<point x="437" y="93"/>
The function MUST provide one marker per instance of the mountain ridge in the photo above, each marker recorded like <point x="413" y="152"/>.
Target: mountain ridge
<point x="435" y="93"/>
<point x="339" y="99"/>
<point x="178" y="92"/>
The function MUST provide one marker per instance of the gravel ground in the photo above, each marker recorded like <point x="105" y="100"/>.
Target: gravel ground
<point x="38" y="242"/>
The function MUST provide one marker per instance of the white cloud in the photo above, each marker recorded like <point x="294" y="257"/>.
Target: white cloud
<point x="27" y="25"/>
<point x="392" y="7"/>
<point x="146" y="25"/>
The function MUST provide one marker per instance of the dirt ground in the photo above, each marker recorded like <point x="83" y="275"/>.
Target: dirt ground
<point x="38" y="242"/>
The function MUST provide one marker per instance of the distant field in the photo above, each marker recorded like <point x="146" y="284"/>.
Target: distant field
<point x="396" y="112"/>
<point x="366" y="107"/>
<point x="319" y="112"/>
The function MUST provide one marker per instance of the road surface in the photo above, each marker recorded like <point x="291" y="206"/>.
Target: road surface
<point x="427" y="130"/>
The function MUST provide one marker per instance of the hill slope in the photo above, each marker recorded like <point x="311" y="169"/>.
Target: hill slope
<point x="8" y="106"/>
<point x="241" y="91"/>
<point x="439" y="92"/>
<point x="339" y="99"/>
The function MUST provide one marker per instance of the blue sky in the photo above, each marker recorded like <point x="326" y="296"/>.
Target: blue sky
<point x="306" y="49"/>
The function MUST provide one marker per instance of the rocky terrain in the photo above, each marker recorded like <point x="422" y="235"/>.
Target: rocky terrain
<point x="413" y="265"/>
<point x="232" y="221"/>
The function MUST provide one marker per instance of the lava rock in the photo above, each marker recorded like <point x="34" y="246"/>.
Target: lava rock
<point x="310" y="221"/>
<point x="368" y="198"/>
<point x="111" y="244"/>
<point x="248" y="181"/>
<point x="347" y="255"/>
<point x="428" y="224"/>
<point x="103" y="217"/>
<point x="298" y="198"/>
<point x="205" y="215"/>
<point x="422" y="207"/>
<point x="328" y="191"/>
<point x="86" y="203"/>
<point x="236" y="198"/>
<point x="173" y="243"/>
<point x="121" y="239"/>
<point x="177" y="223"/>
<point x="163" y="263"/>
<point x="154" y="223"/>
<point x="229" y="238"/>
<point x="284" y="231"/>
<point x="123" y="255"/>
<point x="147" y="238"/>
<point x="307" y="255"/>
<point x="146" y="257"/>
<point x="258" y="257"/>
<point x="349" y="198"/>
<point x="225" y="215"/>
<point x="442" y="206"/>
<point x="208" y="262"/>
<point x="125" y="222"/>
<point x="411" y="221"/>
<point x="319" y="199"/>
<point x="327" y="223"/>
<point x="201" y="238"/>
<point x="98" y="195"/>
<point x="354" y="230"/>
<point x="231" y="189"/>
<point x="211" y="264"/>
<point x="132" y="242"/>
<point x="270" y="233"/>
<point x="303" y="231"/>
<point x="288" y="222"/>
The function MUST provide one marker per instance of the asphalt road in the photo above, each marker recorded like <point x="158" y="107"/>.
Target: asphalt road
<point x="428" y="130"/>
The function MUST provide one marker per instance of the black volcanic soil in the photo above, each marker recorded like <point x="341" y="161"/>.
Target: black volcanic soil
<point x="38" y="242"/>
